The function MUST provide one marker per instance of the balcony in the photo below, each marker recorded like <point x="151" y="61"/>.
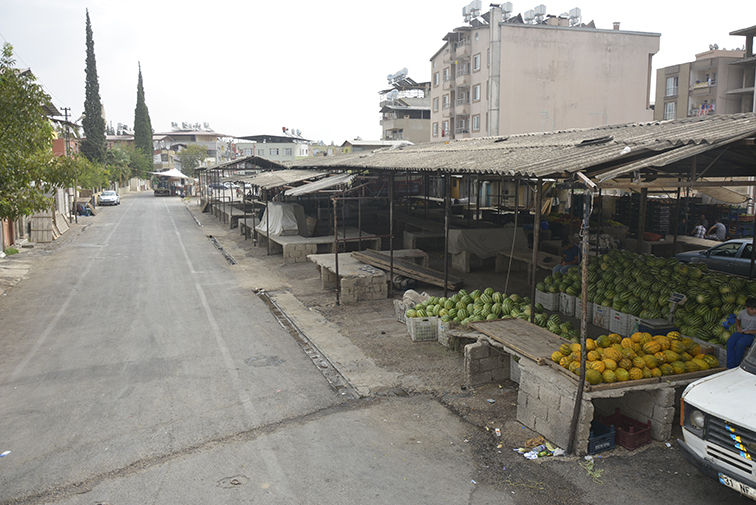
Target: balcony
<point x="462" y="48"/>
<point x="448" y="85"/>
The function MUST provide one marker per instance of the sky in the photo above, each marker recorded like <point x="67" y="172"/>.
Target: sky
<point x="252" y="67"/>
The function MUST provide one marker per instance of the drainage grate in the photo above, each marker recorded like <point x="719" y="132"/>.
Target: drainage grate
<point x="337" y="381"/>
<point x="225" y="253"/>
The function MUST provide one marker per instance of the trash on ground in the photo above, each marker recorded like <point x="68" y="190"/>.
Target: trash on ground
<point x="4" y="454"/>
<point x="594" y="473"/>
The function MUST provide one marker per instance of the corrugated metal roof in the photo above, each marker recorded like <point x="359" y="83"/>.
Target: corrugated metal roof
<point x="324" y="183"/>
<point x="605" y="152"/>
<point x="268" y="180"/>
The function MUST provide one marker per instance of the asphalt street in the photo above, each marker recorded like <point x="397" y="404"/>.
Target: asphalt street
<point x="134" y="368"/>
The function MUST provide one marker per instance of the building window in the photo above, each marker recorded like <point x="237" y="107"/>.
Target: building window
<point x="435" y="129"/>
<point x="476" y="93"/>
<point x="274" y="151"/>
<point x="476" y="123"/>
<point x="447" y="74"/>
<point x="670" y="110"/>
<point x="433" y="65"/>
<point x="435" y="79"/>
<point x="476" y="62"/>
<point x="446" y="101"/>
<point x="260" y="152"/>
<point x="288" y="151"/>
<point x="445" y="128"/>
<point x="435" y="104"/>
<point x="672" y="86"/>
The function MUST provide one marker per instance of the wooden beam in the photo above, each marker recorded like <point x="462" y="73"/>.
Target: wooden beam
<point x="674" y="184"/>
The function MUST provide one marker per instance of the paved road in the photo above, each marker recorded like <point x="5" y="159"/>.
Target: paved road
<point x="135" y="369"/>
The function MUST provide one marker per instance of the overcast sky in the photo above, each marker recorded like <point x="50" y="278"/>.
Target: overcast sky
<point x="251" y="67"/>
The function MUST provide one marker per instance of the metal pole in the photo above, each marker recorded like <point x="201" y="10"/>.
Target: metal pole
<point x="267" y="222"/>
<point x="536" y="240"/>
<point x="641" y="219"/>
<point x="391" y="234"/>
<point x="336" y="249"/>
<point x="447" y="219"/>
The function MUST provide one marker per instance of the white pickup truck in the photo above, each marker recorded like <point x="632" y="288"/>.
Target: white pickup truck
<point x="719" y="426"/>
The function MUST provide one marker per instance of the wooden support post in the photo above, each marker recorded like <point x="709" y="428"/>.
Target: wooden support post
<point x="536" y="240"/>
<point x="641" y="220"/>
<point x="447" y="219"/>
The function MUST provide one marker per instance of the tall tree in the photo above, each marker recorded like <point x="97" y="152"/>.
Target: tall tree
<point x="28" y="168"/>
<point x="191" y="157"/>
<point x="142" y="124"/>
<point x="94" y="146"/>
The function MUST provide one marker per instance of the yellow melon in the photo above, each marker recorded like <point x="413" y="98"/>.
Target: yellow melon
<point x="610" y="363"/>
<point x="635" y="373"/>
<point x="599" y="366"/>
<point x="652" y="347"/>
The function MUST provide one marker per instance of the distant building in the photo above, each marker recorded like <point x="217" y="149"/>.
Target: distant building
<point x="208" y="139"/>
<point x="355" y="146"/>
<point x="405" y="109"/>
<point x="278" y="148"/>
<point x="502" y="74"/>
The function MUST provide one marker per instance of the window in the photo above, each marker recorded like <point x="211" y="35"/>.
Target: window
<point x="435" y="129"/>
<point x="476" y="123"/>
<point x="445" y="128"/>
<point x="670" y="110"/>
<point x="476" y="93"/>
<point x="435" y="104"/>
<point x="435" y="79"/>
<point x="274" y="151"/>
<point x="447" y="74"/>
<point x="672" y="86"/>
<point x="260" y="152"/>
<point x="247" y="152"/>
<point x="476" y="62"/>
<point x="288" y="151"/>
<point x="446" y="101"/>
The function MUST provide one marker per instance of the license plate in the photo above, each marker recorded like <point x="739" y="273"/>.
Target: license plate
<point x="737" y="486"/>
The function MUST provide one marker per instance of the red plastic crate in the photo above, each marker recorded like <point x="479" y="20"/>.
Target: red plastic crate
<point x="629" y="433"/>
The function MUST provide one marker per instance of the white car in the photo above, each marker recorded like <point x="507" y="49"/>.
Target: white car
<point x="108" y="198"/>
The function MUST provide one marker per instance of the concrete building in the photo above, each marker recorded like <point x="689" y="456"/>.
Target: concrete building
<point x="405" y="109"/>
<point x="746" y="92"/>
<point x="278" y="148"/>
<point x="502" y="74"/>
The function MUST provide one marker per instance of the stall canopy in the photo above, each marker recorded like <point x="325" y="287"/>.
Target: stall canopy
<point x="278" y="178"/>
<point x="172" y="174"/>
<point x="320" y="184"/>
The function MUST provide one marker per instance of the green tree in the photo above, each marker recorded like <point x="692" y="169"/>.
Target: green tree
<point x="28" y="168"/>
<point x="191" y="157"/>
<point x="94" y="145"/>
<point x="142" y="124"/>
<point x="119" y="169"/>
<point x="141" y="166"/>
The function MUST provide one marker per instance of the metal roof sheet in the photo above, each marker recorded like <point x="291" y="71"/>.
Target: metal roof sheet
<point x="622" y="148"/>
<point x="324" y="183"/>
<point x="278" y="178"/>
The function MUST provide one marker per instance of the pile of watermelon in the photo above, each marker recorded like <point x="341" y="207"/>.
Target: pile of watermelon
<point x="641" y="284"/>
<point x="611" y="358"/>
<point x="477" y="305"/>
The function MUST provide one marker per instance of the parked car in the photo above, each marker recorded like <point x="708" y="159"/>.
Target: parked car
<point x="732" y="257"/>
<point x="108" y="198"/>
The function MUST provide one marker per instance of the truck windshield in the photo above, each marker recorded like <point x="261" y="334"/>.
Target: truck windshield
<point x="749" y="362"/>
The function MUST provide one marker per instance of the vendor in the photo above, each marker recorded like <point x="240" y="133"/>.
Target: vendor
<point x="740" y="341"/>
<point x="699" y="231"/>
<point x="570" y="257"/>
<point x="717" y="232"/>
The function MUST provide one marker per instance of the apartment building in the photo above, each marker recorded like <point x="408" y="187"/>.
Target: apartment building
<point x="503" y="74"/>
<point x="405" y="109"/>
<point x="278" y="148"/>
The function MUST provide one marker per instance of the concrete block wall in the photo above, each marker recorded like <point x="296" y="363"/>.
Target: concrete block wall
<point x="297" y="253"/>
<point x="484" y="363"/>
<point x="461" y="261"/>
<point x="545" y="403"/>
<point x="363" y="287"/>
<point x="656" y="405"/>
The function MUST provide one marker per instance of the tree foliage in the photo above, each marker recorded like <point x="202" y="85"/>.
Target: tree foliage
<point x="28" y="168"/>
<point x="94" y="145"/>
<point x="119" y="169"/>
<point x="191" y="157"/>
<point x="142" y="123"/>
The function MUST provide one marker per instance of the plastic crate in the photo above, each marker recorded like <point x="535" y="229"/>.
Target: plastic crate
<point x="579" y="309"/>
<point x="550" y="301"/>
<point x="422" y="328"/>
<point x="601" y="316"/>
<point x="619" y="323"/>
<point x="629" y="433"/>
<point x="400" y="308"/>
<point x="567" y="304"/>
<point x="443" y="332"/>
<point x="601" y="437"/>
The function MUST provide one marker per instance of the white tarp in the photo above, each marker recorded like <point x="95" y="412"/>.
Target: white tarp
<point x="172" y="173"/>
<point x="487" y="242"/>
<point x="285" y="219"/>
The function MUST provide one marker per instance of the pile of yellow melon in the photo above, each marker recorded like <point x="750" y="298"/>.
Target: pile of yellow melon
<point x="611" y="358"/>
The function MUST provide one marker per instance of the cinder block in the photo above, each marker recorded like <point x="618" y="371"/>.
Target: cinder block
<point x="477" y="350"/>
<point x="492" y="363"/>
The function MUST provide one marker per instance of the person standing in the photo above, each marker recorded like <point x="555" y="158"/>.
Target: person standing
<point x="740" y="341"/>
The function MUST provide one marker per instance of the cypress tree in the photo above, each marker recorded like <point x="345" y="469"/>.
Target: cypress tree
<point x="94" y="146"/>
<point x="142" y="123"/>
